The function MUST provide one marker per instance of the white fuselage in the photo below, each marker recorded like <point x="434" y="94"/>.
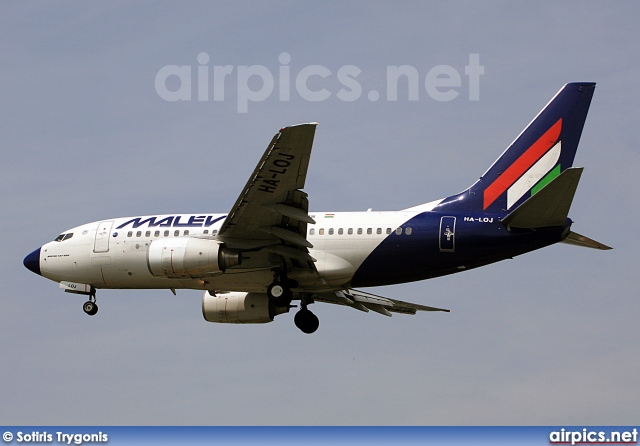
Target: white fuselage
<point x="113" y="253"/>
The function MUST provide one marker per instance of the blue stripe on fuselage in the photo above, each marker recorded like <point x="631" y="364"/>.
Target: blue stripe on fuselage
<point x="479" y="240"/>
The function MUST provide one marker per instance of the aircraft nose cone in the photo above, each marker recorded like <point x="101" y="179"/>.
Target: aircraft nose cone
<point x="32" y="262"/>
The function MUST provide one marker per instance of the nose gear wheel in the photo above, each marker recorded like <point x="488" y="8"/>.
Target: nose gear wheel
<point x="91" y="307"/>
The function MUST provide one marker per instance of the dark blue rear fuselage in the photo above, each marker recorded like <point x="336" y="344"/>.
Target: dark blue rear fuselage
<point x="441" y="244"/>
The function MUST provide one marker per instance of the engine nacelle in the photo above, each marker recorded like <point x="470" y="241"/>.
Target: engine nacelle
<point x="183" y="257"/>
<point x="239" y="308"/>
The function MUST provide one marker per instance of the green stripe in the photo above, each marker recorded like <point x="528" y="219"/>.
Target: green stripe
<point x="546" y="180"/>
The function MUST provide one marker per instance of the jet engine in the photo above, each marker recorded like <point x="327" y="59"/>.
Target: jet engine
<point x="239" y="308"/>
<point x="179" y="258"/>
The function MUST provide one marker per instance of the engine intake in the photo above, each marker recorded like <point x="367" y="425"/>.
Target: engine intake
<point x="178" y="258"/>
<point x="239" y="308"/>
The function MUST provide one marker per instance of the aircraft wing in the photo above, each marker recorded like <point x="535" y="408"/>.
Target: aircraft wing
<point x="272" y="210"/>
<point x="366" y="301"/>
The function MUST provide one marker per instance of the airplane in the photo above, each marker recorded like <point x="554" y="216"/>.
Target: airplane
<point x="269" y="250"/>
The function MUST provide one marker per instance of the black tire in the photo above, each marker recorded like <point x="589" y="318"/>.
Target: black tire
<point x="90" y="308"/>
<point x="306" y="321"/>
<point x="276" y="290"/>
<point x="279" y="294"/>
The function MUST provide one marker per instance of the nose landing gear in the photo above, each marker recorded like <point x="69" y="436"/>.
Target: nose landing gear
<point x="90" y="307"/>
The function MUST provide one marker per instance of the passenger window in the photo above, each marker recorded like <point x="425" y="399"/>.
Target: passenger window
<point x="147" y="234"/>
<point x="330" y="231"/>
<point x="340" y="231"/>
<point x="312" y="231"/>
<point x="186" y="232"/>
<point x="350" y="231"/>
<point x="369" y="231"/>
<point x="359" y="231"/>
<point x="379" y="231"/>
<point x="176" y="233"/>
<point x="399" y="231"/>
<point x="206" y="231"/>
<point x="166" y="233"/>
<point x="214" y="232"/>
<point x="321" y="232"/>
<point x="156" y="234"/>
<point x="408" y="231"/>
<point x="139" y="234"/>
<point x="388" y="230"/>
<point x="130" y="234"/>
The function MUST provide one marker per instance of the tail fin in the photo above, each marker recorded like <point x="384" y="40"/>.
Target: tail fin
<point x="539" y="155"/>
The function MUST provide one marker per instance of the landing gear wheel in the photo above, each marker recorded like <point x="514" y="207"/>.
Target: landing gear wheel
<point x="276" y="290"/>
<point x="279" y="294"/>
<point x="90" y="307"/>
<point x="306" y="321"/>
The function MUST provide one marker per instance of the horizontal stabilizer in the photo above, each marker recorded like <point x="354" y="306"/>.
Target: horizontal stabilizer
<point x="549" y="206"/>
<point x="580" y="240"/>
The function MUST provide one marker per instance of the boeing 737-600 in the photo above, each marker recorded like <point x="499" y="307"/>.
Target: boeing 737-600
<point x="269" y="250"/>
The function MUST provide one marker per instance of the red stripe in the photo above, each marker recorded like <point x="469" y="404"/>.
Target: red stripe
<point x="522" y="164"/>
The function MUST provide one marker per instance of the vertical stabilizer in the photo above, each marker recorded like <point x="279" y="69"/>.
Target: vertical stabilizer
<point x="539" y="155"/>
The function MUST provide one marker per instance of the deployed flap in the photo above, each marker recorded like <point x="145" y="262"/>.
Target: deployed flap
<point x="549" y="206"/>
<point x="272" y="208"/>
<point x="580" y="240"/>
<point x="366" y="301"/>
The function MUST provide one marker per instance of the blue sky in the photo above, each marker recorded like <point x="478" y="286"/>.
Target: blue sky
<point x="546" y="338"/>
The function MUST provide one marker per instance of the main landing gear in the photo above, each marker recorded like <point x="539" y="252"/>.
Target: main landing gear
<point x="280" y="294"/>
<point x="90" y="307"/>
<point x="306" y="321"/>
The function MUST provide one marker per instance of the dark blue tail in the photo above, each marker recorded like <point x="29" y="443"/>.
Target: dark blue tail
<point x="544" y="150"/>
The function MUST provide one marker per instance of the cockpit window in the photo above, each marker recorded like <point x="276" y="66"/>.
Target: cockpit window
<point x="63" y="237"/>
